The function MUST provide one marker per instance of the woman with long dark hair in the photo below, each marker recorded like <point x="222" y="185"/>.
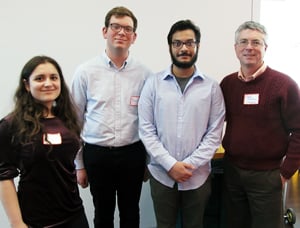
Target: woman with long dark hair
<point x="39" y="140"/>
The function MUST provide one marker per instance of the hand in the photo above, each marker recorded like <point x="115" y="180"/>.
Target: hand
<point x="181" y="171"/>
<point x="82" y="178"/>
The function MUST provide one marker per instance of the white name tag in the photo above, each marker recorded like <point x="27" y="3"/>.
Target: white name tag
<point x="134" y="100"/>
<point x="52" y="139"/>
<point x="251" y="99"/>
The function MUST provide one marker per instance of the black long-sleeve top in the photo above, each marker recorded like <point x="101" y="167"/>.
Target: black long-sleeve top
<point x="47" y="190"/>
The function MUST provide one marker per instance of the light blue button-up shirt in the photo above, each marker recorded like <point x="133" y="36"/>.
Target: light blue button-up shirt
<point x="107" y="99"/>
<point x="181" y="126"/>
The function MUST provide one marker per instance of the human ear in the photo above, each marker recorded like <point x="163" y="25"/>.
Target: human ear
<point x="26" y="84"/>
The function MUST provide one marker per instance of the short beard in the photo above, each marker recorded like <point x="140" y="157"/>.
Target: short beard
<point x="184" y="65"/>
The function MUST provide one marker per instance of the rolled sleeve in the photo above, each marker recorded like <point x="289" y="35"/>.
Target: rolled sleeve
<point x="8" y="169"/>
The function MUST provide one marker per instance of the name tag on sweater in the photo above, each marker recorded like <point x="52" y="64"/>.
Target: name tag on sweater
<point x="53" y="139"/>
<point x="251" y="99"/>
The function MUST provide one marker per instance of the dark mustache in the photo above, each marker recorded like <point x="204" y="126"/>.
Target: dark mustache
<point x="183" y="54"/>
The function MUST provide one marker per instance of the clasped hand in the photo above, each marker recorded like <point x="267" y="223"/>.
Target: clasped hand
<point x="181" y="172"/>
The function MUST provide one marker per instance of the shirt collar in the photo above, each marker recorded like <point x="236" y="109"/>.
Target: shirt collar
<point x="111" y="64"/>
<point x="254" y="75"/>
<point x="197" y="74"/>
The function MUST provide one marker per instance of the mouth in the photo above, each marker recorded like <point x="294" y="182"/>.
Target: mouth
<point x="248" y="55"/>
<point x="184" y="55"/>
<point x="120" y="40"/>
<point x="48" y="91"/>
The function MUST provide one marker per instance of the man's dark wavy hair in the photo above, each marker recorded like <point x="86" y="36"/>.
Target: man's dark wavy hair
<point x="184" y="25"/>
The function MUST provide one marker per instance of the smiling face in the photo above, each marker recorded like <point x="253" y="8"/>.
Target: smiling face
<point x="44" y="84"/>
<point x="119" y="38"/>
<point x="250" y="48"/>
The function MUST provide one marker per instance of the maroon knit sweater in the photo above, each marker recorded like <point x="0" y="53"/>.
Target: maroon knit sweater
<point x="263" y="122"/>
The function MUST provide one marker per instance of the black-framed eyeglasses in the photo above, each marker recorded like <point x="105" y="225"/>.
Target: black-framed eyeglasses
<point x="189" y="43"/>
<point x="254" y="43"/>
<point x="117" y="28"/>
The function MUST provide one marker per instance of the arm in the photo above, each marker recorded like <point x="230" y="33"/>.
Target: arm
<point x="78" y="90"/>
<point x="147" y="126"/>
<point x="82" y="178"/>
<point x="8" y="171"/>
<point x="211" y="140"/>
<point x="81" y="174"/>
<point x="178" y="171"/>
<point x="290" y="110"/>
<point x="8" y="196"/>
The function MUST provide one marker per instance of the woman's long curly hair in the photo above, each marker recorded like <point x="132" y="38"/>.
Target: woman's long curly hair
<point x="27" y="113"/>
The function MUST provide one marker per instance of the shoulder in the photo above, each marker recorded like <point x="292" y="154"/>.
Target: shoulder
<point x="6" y="125"/>
<point x="229" y="79"/>
<point x="158" y="77"/>
<point x="280" y="75"/>
<point x="87" y="69"/>
<point x="208" y="79"/>
<point x="137" y="66"/>
<point x="210" y="84"/>
<point x="155" y="80"/>
<point x="230" y="76"/>
<point x="279" y="78"/>
<point x="90" y="64"/>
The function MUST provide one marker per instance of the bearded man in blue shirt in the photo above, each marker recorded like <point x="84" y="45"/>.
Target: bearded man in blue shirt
<point x="181" y="117"/>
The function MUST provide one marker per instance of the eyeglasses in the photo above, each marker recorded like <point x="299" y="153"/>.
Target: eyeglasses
<point x="117" y="28"/>
<point x="254" y="43"/>
<point x="179" y="44"/>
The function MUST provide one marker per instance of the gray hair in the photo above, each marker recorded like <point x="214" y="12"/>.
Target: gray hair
<point x="252" y="25"/>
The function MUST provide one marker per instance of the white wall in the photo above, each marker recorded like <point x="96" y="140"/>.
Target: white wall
<point x="70" y="32"/>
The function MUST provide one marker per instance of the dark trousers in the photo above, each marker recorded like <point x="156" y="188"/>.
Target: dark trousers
<point x="253" y="199"/>
<point x="115" y="173"/>
<point x="169" y="202"/>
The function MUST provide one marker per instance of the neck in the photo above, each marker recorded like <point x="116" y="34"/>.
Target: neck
<point x="48" y="112"/>
<point x="249" y="70"/>
<point x="183" y="72"/>
<point x="117" y="56"/>
<point x="48" y="115"/>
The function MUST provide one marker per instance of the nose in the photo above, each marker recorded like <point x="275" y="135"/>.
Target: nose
<point x="48" y="82"/>
<point x="122" y="30"/>
<point x="249" y="45"/>
<point x="184" y="46"/>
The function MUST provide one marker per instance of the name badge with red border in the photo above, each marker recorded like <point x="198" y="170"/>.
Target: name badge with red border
<point x="134" y="100"/>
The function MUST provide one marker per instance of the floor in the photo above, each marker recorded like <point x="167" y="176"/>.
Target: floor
<point x="293" y="199"/>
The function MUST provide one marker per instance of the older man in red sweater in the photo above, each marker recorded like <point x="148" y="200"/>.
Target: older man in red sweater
<point x="262" y="137"/>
